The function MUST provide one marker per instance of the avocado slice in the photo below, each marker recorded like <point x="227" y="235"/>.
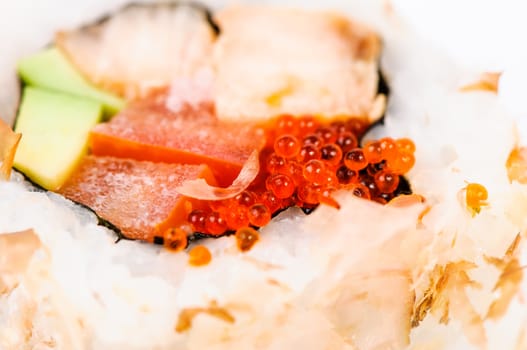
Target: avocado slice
<point x="50" y="69"/>
<point x="55" y="129"/>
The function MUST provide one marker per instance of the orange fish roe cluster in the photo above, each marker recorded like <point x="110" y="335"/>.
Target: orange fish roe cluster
<point x="303" y="163"/>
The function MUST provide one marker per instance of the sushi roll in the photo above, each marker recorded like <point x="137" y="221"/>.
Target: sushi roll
<point x="264" y="203"/>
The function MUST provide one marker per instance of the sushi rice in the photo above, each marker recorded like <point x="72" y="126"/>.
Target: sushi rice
<point x="353" y="278"/>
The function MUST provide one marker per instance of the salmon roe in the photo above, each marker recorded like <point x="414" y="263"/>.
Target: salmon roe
<point x="246" y="237"/>
<point x="215" y="224"/>
<point x="259" y="215"/>
<point x="476" y="196"/>
<point x="373" y="152"/>
<point x="347" y="141"/>
<point x="175" y="239"/>
<point x="355" y="159"/>
<point x="309" y="152"/>
<point x="386" y="182"/>
<point x="314" y="171"/>
<point x="281" y="185"/>
<point x="235" y="216"/>
<point x="287" y="146"/>
<point x="197" y="219"/>
<point x="405" y="145"/>
<point x="401" y="163"/>
<point x="199" y="256"/>
<point x="304" y="162"/>
<point x="331" y="153"/>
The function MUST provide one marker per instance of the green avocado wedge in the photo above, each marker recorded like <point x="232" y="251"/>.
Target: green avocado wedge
<point x="50" y="69"/>
<point x="55" y="128"/>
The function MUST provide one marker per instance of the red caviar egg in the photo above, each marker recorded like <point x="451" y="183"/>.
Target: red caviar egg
<point x="308" y="152"/>
<point x="275" y="163"/>
<point x="289" y="201"/>
<point x="315" y="171"/>
<point x="355" y="159"/>
<point x="246" y="198"/>
<point x="199" y="256"/>
<point x="271" y="201"/>
<point x="327" y="134"/>
<point x="369" y="183"/>
<point x="295" y="171"/>
<point x="339" y="126"/>
<point x="346" y="141"/>
<point x="197" y="219"/>
<point x="373" y="151"/>
<point x="405" y="145"/>
<point x="218" y="206"/>
<point x="360" y="191"/>
<point x="259" y="215"/>
<point x="309" y="193"/>
<point x="236" y="217"/>
<point x="386" y="182"/>
<point x="215" y="224"/>
<point x="388" y="148"/>
<point x="331" y="153"/>
<point x="401" y="163"/>
<point x="313" y="139"/>
<point x="281" y="185"/>
<point x="373" y="169"/>
<point x="331" y="179"/>
<point x="346" y="176"/>
<point x="175" y="239"/>
<point x="307" y="124"/>
<point x="246" y="237"/>
<point x="286" y="124"/>
<point x="287" y="146"/>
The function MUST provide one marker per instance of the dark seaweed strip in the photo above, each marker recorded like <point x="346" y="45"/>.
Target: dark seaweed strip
<point x="404" y="187"/>
<point x="210" y="20"/>
<point x="382" y="85"/>
<point x="107" y="224"/>
<point x="34" y="186"/>
<point x="196" y="236"/>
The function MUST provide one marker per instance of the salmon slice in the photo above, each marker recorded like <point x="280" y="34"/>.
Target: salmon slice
<point x="148" y="130"/>
<point x="142" y="47"/>
<point x="137" y="197"/>
<point x="271" y="61"/>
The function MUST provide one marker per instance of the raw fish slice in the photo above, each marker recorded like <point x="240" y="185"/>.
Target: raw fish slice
<point x="139" y="198"/>
<point x="148" y="130"/>
<point x="271" y="61"/>
<point x="142" y="47"/>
